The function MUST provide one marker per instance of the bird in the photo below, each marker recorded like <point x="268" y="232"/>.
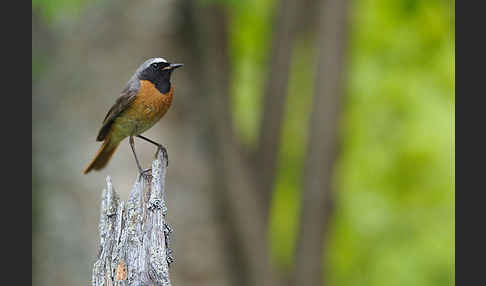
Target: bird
<point x="144" y="100"/>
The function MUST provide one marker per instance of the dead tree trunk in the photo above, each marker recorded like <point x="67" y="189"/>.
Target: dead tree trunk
<point x="134" y="236"/>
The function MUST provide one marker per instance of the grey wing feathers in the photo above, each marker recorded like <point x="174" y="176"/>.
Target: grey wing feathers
<point x="126" y="97"/>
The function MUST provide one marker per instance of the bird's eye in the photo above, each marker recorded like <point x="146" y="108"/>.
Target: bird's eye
<point x="155" y="65"/>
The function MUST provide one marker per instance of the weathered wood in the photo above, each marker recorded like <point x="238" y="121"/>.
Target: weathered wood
<point x="134" y="236"/>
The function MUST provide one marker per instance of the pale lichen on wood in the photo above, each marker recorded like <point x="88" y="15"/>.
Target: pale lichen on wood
<point x="134" y="236"/>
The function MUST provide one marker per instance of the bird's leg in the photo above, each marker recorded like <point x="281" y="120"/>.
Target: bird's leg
<point x="160" y="147"/>
<point x="140" y="170"/>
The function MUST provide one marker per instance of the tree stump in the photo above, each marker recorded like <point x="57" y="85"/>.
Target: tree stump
<point x="134" y="236"/>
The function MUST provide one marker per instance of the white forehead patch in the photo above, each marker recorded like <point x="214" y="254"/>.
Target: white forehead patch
<point x="159" y="60"/>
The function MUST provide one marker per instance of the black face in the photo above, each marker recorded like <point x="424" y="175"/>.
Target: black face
<point x="159" y="74"/>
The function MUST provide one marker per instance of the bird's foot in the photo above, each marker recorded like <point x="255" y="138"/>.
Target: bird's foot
<point x="145" y="173"/>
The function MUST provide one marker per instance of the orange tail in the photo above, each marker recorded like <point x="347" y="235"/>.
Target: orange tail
<point x="103" y="155"/>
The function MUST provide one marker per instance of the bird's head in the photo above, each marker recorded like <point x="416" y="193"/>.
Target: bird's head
<point x="158" y="71"/>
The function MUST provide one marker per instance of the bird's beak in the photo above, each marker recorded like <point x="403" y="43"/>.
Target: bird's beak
<point x="174" y="66"/>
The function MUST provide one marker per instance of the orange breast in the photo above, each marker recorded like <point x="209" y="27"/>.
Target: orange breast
<point x="146" y="110"/>
<point x="151" y="102"/>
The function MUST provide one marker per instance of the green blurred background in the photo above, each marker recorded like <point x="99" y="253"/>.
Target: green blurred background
<point x="393" y="214"/>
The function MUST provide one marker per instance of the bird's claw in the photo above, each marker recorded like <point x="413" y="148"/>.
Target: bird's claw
<point x="145" y="173"/>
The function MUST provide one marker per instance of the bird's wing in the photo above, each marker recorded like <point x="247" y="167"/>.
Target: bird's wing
<point x="126" y="97"/>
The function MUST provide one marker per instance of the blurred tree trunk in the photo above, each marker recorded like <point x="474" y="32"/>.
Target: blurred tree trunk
<point x="275" y="96"/>
<point x="317" y="193"/>
<point x="234" y="180"/>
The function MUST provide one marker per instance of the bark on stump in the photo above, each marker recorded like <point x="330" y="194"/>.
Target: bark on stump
<point x="134" y="236"/>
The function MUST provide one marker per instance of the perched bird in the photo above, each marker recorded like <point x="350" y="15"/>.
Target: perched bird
<point x="145" y="99"/>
